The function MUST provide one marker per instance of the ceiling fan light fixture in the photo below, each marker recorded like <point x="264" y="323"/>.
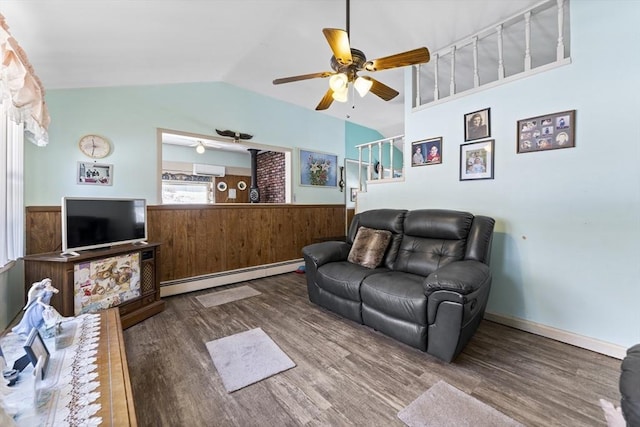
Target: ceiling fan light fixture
<point x="341" y="95"/>
<point x="363" y="85"/>
<point x="338" y="82"/>
<point x="200" y="148"/>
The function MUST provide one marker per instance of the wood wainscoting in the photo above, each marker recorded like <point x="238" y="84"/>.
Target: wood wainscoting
<point x="199" y="240"/>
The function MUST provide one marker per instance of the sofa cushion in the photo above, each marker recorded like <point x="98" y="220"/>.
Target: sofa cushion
<point x="369" y="247"/>
<point x="423" y="256"/>
<point x="343" y="279"/>
<point x="397" y="294"/>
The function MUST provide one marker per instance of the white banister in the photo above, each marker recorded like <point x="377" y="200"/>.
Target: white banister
<point x="380" y="168"/>
<point x="452" y="85"/>
<point x="381" y="146"/>
<point x="359" y="168"/>
<point x="560" y="48"/>
<point x="436" y="91"/>
<point x="540" y="51"/>
<point x="416" y="80"/>
<point x="500" y="53"/>
<point x="527" y="40"/>
<point x="476" y="73"/>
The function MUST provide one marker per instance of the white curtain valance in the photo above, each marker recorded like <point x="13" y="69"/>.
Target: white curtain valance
<point x="20" y="85"/>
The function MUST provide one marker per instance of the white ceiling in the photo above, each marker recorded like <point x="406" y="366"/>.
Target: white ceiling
<point x="246" y="43"/>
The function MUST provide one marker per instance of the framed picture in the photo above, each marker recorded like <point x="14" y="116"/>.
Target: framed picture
<point x="476" y="160"/>
<point x="426" y="152"/>
<point x="37" y="351"/>
<point x="95" y="173"/>
<point x="354" y="194"/>
<point x="318" y="169"/>
<point x="477" y="125"/>
<point x="547" y="132"/>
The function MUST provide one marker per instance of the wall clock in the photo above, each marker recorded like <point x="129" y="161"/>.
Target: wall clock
<point x="222" y="186"/>
<point x="242" y="185"/>
<point x="95" y="146"/>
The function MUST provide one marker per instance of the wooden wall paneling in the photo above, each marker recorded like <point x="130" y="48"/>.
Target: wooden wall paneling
<point x="43" y="229"/>
<point x="205" y="239"/>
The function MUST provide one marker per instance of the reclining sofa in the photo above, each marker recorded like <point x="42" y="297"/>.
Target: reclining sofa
<point x="419" y="276"/>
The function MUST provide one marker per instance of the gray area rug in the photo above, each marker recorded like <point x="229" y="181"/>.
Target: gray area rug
<point x="228" y="295"/>
<point x="246" y="358"/>
<point x="444" y="405"/>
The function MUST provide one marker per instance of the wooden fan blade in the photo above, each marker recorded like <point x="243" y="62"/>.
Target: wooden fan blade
<point x="326" y="100"/>
<point x="411" y="57"/>
<point x="302" y="77"/>
<point x="381" y="89"/>
<point x="339" y="43"/>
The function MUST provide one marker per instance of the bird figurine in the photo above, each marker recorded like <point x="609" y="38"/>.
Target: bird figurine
<point x="237" y="136"/>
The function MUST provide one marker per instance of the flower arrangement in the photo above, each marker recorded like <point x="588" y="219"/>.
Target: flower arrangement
<point x="318" y="170"/>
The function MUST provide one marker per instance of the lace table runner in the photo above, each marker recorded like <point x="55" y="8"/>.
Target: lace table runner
<point x="67" y="396"/>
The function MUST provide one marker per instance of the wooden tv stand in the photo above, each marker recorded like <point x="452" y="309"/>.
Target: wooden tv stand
<point x="60" y="269"/>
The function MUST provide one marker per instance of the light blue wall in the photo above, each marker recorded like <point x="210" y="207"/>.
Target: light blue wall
<point x="11" y="293"/>
<point x="129" y="117"/>
<point x="566" y="252"/>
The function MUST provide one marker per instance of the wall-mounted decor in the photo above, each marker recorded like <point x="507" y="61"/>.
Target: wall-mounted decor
<point x="477" y="125"/>
<point x="242" y="185"/>
<point x="354" y="194"/>
<point x="548" y="132"/>
<point x="426" y="152"/>
<point x="222" y="186"/>
<point x="476" y="160"/>
<point x="94" y="173"/>
<point x="94" y="146"/>
<point x="318" y="169"/>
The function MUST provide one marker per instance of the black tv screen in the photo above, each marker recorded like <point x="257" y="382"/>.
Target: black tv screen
<point x="98" y="223"/>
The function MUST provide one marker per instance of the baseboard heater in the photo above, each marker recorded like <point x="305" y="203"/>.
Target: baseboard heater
<point x="197" y="283"/>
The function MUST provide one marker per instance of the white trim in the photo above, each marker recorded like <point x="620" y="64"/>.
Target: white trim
<point x="198" y="283"/>
<point x="7" y="266"/>
<point x="567" y="337"/>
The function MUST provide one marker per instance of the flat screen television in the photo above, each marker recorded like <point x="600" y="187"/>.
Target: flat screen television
<point x="93" y="223"/>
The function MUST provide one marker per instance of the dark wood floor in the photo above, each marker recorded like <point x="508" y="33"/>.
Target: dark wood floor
<point x="348" y="374"/>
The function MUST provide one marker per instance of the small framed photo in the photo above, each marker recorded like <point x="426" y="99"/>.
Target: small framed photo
<point x="548" y="132"/>
<point x="476" y="160"/>
<point x="354" y="194"/>
<point x="37" y="351"/>
<point x="426" y="152"/>
<point x="477" y="125"/>
<point x="94" y="173"/>
<point x="318" y="169"/>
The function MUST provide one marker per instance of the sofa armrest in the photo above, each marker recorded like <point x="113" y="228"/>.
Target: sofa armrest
<point x="460" y="277"/>
<point x="325" y="252"/>
<point x="463" y="283"/>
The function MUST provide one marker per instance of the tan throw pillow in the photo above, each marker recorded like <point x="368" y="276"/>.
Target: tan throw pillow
<point x="369" y="247"/>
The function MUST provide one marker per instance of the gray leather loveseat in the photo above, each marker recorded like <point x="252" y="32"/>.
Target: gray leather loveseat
<point x="425" y="282"/>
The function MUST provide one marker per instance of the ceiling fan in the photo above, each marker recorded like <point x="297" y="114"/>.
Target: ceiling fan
<point x="346" y="62"/>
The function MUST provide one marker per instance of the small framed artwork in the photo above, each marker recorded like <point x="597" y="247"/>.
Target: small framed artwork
<point x="318" y="169"/>
<point x="354" y="194"/>
<point x="476" y="160"/>
<point x="426" y="152"/>
<point x="548" y="132"/>
<point x="37" y="351"/>
<point x="94" y="173"/>
<point x="477" y="125"/>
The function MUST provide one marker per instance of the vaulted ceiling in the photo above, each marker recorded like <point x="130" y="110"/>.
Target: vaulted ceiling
<point x="246" y="43"/>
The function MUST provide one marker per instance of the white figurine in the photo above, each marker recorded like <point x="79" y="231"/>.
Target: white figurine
<point x="38" y="312"/>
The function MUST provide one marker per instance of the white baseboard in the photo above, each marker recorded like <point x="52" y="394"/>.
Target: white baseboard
<point x="175" y="287"/>
<point x="581" y="341"/>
